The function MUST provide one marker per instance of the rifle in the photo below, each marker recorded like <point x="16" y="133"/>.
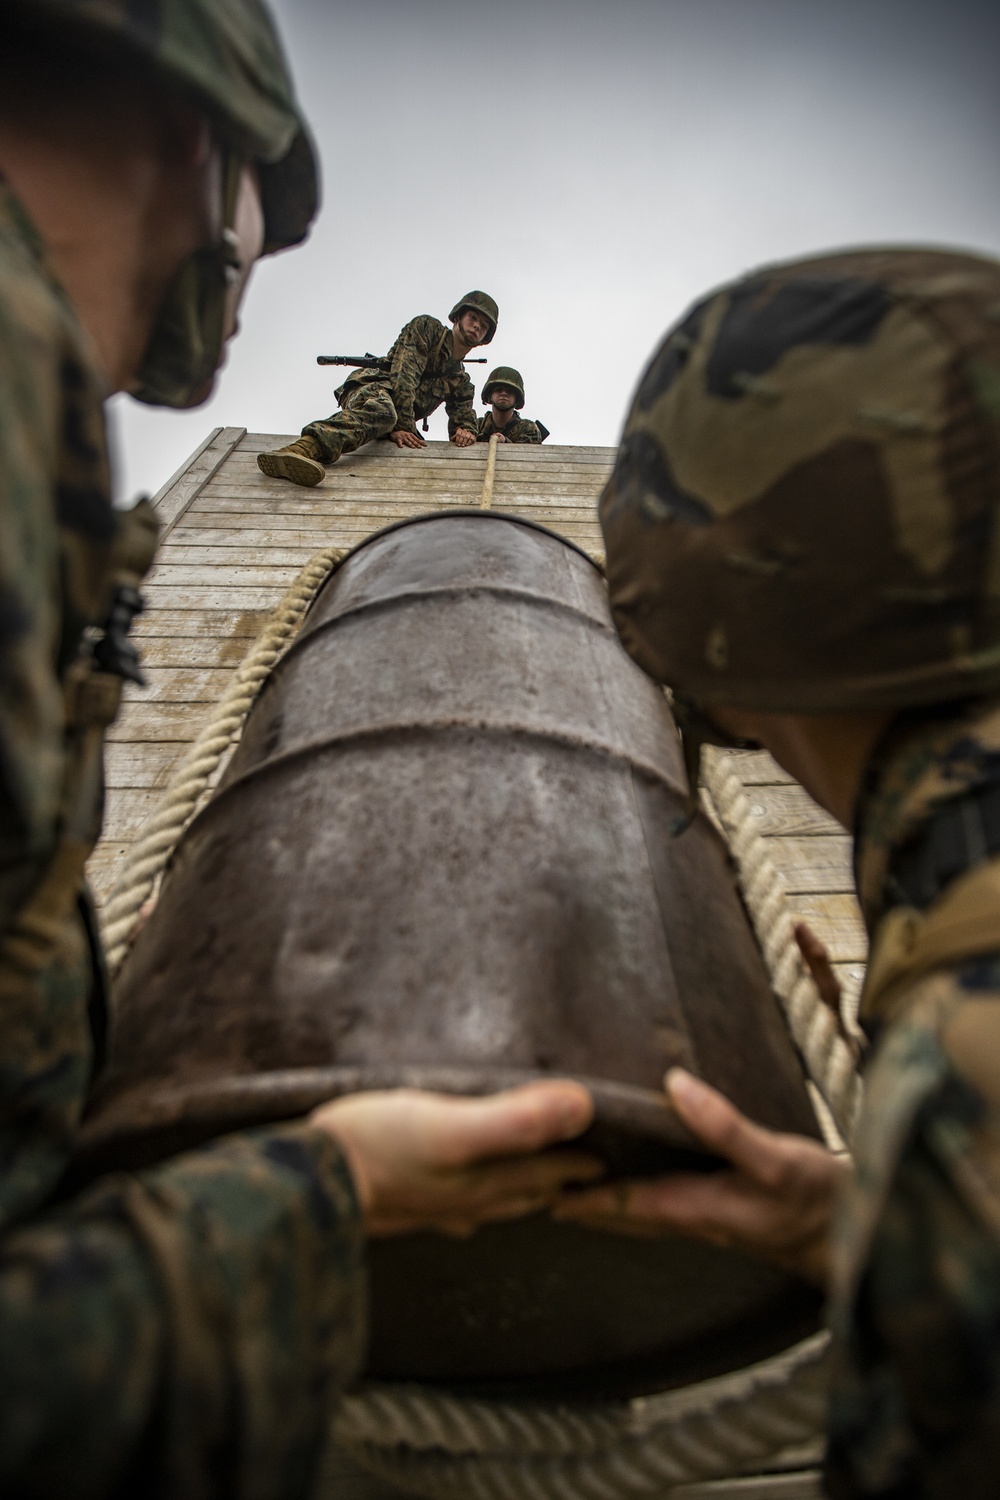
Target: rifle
<point x="373" y="361"/>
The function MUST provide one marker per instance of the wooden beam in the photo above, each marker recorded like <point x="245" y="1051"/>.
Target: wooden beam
<point x="172" y="500"/>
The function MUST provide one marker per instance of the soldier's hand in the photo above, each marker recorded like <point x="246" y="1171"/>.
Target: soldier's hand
<point x="499" y="437"/>
<point x="430" y="1161"/>
<point x="406" y="439"/>
<point x="463" y="437"/>
<point x="777" y="1200"/>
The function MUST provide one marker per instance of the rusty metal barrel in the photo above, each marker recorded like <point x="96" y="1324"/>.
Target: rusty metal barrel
<point x="442" y="856"/>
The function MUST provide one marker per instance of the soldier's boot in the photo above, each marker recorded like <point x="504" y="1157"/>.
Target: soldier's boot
<point x="299" y="462"/>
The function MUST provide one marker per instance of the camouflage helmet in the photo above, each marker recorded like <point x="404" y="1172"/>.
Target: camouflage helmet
<point x="226" y="55"/>
<point x="482" y="303"/>
<point x="508" y="376"/>
<point x="804" y="515"/>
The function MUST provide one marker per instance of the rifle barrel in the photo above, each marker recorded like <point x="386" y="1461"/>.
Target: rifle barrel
<point x="372" y="361"/>
<point x="361" y="360"/>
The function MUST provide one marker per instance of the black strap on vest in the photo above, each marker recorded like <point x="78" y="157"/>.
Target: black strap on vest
<point x="960" y="835"/>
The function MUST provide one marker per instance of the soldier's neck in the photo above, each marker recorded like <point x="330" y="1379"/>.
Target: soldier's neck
<point x="118" y="214"/>
<point x="501" y="418"/>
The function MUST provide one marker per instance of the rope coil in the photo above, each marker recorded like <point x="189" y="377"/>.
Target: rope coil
<point x="466" y="1449"/>
<point x="827" y="1057"/>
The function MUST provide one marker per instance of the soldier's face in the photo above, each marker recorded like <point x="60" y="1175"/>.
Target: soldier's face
<point x="503" y="397"/>
<point x="473" y="327"/>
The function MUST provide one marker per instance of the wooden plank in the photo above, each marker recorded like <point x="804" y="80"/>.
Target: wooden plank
<point x="409" y="497"/>
<point x="426" y="481"/>
<point x="836" y="920"/>
<point x="104" y="864"/>
<point x="755" y="768"/>
<point x="788" y="810"/>
<point x="225" y="575"/>
<point x="157" y="723"/>
<point x="128" y="764"/>
<point x="126" y="811"/>
<point x="173" y="499"/>
<point x="181" y="684"/>
<point x="821" y="862"/>
<point x="294" y="501"/>
<point x="432" y="461"/>
<point x="366" y="518"/>
<point x="437" y="460"/>
<point x="203" y="598"/>
<point x="291" y="560"/>
<point x="193" y="651"/>
<point x="264" y="555"/>
<point x="463" y="482"/>
<point x="222" y="624"/>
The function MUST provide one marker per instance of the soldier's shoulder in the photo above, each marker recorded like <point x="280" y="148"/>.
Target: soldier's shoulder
<point x="425" y="324"/>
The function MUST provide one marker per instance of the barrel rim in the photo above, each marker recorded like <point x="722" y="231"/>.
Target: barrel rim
<point x="242" y="1101"/>
<point x="476" y="513"/>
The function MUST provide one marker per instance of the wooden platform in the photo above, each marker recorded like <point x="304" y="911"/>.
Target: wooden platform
<point x="234" y="542"/>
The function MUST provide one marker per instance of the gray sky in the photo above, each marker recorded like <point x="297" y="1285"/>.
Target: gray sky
<point x="594" y="166"/>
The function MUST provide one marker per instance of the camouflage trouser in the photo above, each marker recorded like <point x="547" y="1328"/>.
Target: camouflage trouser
<point x="366" y="413"/>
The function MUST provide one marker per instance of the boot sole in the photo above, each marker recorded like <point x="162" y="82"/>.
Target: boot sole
<point x="293" y="466"/>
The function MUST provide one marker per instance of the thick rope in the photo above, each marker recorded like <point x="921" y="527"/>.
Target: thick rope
<point x="486" y="498"/>
<point x="444" y="1446"/>
<point x="826" y="1055"/>
<point x="148" y="856"/>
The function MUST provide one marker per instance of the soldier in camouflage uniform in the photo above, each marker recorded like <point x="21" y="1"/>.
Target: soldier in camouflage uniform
<point x="177" y="1332"/>
<point x="505" y="391"/>
<point x="425" y="370"/>
<point x="803" y="542"/>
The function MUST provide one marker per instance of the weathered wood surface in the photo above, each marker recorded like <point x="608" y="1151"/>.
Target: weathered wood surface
<point x="813" y="854"/>
<point x="237" y="539"/>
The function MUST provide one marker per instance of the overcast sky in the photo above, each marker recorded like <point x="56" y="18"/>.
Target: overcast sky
<point x="594" y="166"/>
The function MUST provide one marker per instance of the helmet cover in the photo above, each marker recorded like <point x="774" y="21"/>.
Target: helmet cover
<point x="803" y="514"/>
<point x="483" y="303"/>
<point x="505" y="375"/>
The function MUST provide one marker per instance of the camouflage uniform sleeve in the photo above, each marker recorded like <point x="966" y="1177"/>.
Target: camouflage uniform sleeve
<point x="459" y="404"/>
<point x="410" y="354"/>
<point x="527" y="432"/>
<point x="192" y="1320"/>
<point x="484" y="429"/>
<point x="915" y="1400"/>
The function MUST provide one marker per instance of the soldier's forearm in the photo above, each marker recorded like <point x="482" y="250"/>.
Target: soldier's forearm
<point x="152" y="1304"/>
<point x="464" y="417"/>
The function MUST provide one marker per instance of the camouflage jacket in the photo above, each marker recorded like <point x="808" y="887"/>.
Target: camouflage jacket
<point x="518" y="429"/>
<point x="424" y="373"/>
<point x="915" y="1405"/>
<point x="174" y="1332"/>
